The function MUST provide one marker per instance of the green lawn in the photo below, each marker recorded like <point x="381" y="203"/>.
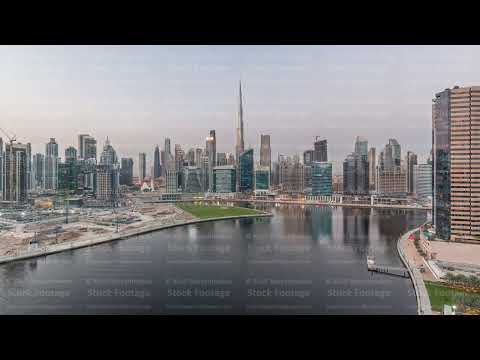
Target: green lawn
<point x="212" y="211"/>
<point x="440" y="294"/>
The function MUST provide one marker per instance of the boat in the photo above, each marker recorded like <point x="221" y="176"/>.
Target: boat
<point x="370" y="260"/>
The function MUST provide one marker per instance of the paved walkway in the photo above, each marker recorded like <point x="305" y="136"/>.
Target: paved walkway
<point x="423" y="300"/>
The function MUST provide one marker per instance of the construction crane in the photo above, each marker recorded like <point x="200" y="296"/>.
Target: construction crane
<point x="12" y="139"/>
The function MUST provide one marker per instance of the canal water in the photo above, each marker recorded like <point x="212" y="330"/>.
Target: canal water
<point x="303" y="260"/>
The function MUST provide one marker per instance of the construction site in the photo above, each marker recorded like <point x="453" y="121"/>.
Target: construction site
<point x="36" y="228"/>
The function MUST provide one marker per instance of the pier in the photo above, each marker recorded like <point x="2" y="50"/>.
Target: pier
<point x="384" y="269"/>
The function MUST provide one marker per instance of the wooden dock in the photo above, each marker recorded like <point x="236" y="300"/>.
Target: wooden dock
<point x="384" y="269"/>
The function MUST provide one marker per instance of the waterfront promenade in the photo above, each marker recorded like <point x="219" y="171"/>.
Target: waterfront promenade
<point x="56" y="248"/>
<point x="307" y="202"/>
<point x="421" y="293"/>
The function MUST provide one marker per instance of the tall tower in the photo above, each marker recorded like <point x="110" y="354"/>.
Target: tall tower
<point x="15" y="173"/>
<point x="142" y="166"/>
<point x="320" y="150"/>
<point x="51" y="165"/>
<point x="456" y="164"/>
<point x="211" y="152"/>
<point x="157" y="170"/>
<point x="239" y="145"/>
<point x="265" y="151"/>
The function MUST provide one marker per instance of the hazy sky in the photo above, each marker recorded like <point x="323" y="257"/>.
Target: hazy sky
<point x="138" y="95"/>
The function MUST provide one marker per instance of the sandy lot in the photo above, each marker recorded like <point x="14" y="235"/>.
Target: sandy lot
<point x="456" y="252"/>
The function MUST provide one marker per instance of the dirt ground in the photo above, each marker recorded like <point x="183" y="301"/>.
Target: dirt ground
<point x="456" y="252"/>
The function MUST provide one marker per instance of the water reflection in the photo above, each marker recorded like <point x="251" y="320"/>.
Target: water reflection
<point x="308" y="260"/>
<point x="320" y="219"/>
<point x="356" y="226"/>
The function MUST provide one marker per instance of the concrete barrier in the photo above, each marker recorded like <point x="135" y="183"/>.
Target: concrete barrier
<point x="56" y="248"/>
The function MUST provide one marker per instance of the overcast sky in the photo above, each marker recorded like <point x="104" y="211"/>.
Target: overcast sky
<point x="138" y="95"/>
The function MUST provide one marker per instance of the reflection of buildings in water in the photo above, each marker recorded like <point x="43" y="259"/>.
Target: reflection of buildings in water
<point x="12" y="272"/>
<point x="296" y="220"/>
<point x="32" y="264"/>
<point x="246" y="228"/>
<point x="356" y="226"/>
<point x="321" y="223"/>
<point x="391" y="223"/>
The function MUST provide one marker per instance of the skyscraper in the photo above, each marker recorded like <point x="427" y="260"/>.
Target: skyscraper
<point x="15" y="173"/>
<point x="265" y="152"/>
<point x="126" y="172"/>
<point x="422" y="181"/>
<point x="239" y="144"/>
<point x="163" y="162"/>
<point x="211" y="152"/>
<point x="411" y="161"/>
<point x="246" y="170"/>
<point x="456" y="163"/>
<point x="224" y="179"/>
<point x="262" y="178"/>
<point x="372" y="165"/>
<point x="349" y="174"/>
<point x="37" y="171"/>
<point x="67" y="180"/>
<point x="190" y="157"/>
<point x="390" y="156"/>
<point x="322" y="179"/>
<point x="167" y="148"/>
<point x="361" y="146"/>
<point x="392" y="178"/>
<point x="198" y="157"/>
<point x="290" y="174"/>
<point x="51" y="148"/>
<point x="179" y="156"/>
<point x="230" y="159"/>
<point x="90" y="148"/>
<point x="308" y="156"/>
<point x="109" y="155"/>
<point x="87" y="147"/>
<point x="320" y="150"/>
<point x="81" y="152"/>
<point x="171" y="180"/>
<point x="1" y="168"/>
<point x="142" y="166"/>
<point x="70" y="153"/>
<point x="221" y="159"/>
<point x="157" y="169"/>
<point x="51" y="165"/>
<point x="204" y="167"/>
<point x="356" y="170"/>
<point x="192" y="179"/>
<point x="108" y="176"/>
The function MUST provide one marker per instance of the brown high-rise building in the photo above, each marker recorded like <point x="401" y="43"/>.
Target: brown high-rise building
<point x="265" y="152"/>
<point x="456" y="163"/>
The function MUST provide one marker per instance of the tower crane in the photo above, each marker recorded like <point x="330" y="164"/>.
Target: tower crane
<point x="12" y="138"/>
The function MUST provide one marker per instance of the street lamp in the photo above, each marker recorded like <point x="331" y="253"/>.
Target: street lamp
<point x="454" y="307"/>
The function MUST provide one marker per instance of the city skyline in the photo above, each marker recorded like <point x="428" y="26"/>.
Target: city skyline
<point x="137" y="98"/>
